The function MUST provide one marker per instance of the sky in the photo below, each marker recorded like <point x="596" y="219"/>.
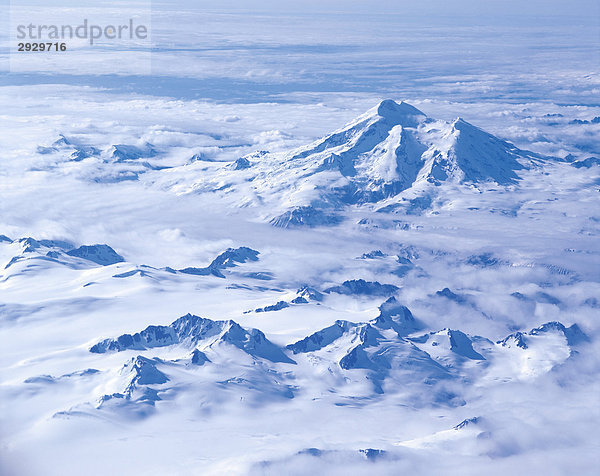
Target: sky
<point x="229" y="51"/>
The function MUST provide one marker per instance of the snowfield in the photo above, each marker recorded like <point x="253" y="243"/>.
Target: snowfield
<point x="325" y="282"/>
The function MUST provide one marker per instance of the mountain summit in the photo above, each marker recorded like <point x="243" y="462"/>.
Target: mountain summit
<point x="399" y="113"/>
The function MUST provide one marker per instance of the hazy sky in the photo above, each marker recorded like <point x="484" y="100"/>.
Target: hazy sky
<point x="583" y="9"/>
<point x="541" y="49"/>
<point x="586" y="10"/>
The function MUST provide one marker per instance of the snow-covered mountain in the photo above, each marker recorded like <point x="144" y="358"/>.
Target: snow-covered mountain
<point x="389" y="149"/>
<point x="192" y="330"/>
<point x="392" y="153"/>
<point x="26" y="251"/>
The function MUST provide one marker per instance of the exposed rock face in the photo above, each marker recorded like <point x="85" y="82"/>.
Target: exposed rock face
<point x="100" y="254"/>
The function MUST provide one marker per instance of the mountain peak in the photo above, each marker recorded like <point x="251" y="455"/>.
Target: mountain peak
<point x="393" y="315"/>
<point x="399" y="113"/>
